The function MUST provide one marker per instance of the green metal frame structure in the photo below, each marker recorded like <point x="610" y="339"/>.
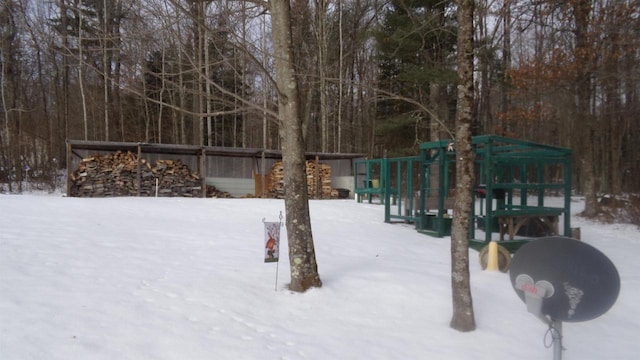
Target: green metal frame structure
<point x="399" y="189"/>
<point x="392" y="179"/>
<point x="436" y="162"/>
<point x="366" y="177"/>
<point x="505" y="168"/>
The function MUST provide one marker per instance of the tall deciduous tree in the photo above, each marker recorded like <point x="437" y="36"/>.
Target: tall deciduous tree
<point x="463" y="317"/>
<point x="11" y="130"/>
<point x="302" y="258"/>
<point x="581" y="12"/>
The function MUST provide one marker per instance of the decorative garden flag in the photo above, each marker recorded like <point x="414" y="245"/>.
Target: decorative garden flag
<point x="271" y="241"/>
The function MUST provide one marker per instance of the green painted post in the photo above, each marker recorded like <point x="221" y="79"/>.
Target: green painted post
<point x="488" y="187"/>
<point x="525" y="191"/>
<point x="398" y="187"/>
<point x="367" y="178"/>
<point x="424" y="183"/>
<point x="409" y="204"/>
<point x="540" y="170"/>
<point x="567" y="196"/>
<point x="385" y="177"/>
<point x="442" y="179"/>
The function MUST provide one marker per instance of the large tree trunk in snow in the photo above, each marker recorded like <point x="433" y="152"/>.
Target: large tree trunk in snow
<point x="304" y="269"/>
<point x="463" y="317"/>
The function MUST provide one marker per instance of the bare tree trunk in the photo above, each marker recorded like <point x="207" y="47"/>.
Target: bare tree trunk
<point x="612" y="103"/>
<point x="117" y="75"/>
<point x="80" y="80"/>
<point x="147" y="113"/>
<point x="106" y="66"/>
<point x="244" y="77"/>
<point x="340" y="76"/>
<point x="10" y="92"/>
<point x="182" y="98"/>
<point x="304" y="269"/>
<point x="582" y="10"/>
<point x="207" y="74"/>
<point x="483" y="111"/>
<point x="463" y="316"/>
<point x="5" y="133"/>
<point x="198" y="81"/>
<point x="506" y="60"/>
<point x="162" y="90"/>
<point x="321" y="35"/>
<point x="63" y="121"/>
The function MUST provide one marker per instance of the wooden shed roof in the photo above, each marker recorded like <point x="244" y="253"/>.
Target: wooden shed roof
<point x="196" y="150"/>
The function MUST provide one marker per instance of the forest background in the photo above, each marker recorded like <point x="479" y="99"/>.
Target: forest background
<point x="375" y="76"/>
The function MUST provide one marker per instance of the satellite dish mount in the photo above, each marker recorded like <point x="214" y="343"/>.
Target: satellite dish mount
<point x="562" y="279"/>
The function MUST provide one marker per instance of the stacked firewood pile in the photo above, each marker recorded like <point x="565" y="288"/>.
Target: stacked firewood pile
<point x="174" y="179"/>
<point x="213" y="192"/>
<point x="318" y="181"/>
<point x="275" y="181"/>
<point x="117" y="175"/>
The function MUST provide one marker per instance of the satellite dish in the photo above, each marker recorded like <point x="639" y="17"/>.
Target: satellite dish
<point x="564" y="279"/>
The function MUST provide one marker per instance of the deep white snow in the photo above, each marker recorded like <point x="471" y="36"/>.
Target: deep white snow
<point x="176" y="278"/>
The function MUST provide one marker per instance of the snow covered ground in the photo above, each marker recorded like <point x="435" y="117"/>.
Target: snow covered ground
<point x="175" y="278"/>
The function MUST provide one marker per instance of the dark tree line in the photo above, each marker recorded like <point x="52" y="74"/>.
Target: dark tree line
<point x="375" y="76"/>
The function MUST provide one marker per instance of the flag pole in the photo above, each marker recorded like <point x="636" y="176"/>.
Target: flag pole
<point x="278" y="262"/>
